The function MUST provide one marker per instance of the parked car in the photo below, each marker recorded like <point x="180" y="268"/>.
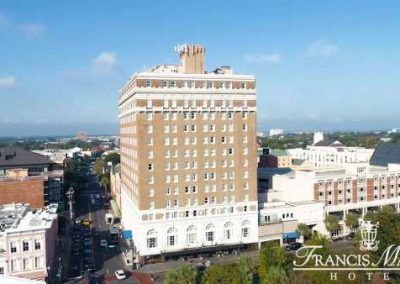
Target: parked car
<point x="120" y="274"/>
<point x="293" y="246"/>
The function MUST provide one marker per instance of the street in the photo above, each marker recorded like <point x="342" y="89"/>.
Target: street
<point x="88" y="259"/>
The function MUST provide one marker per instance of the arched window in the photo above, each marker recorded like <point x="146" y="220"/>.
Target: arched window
<point x="228" y="230"/>
<point x="210" y="234"/>
<point x="245" y="229"/>
<point x="151" y="239"/>
<point x="191" y="235"/>
<point x="172" y="237"/>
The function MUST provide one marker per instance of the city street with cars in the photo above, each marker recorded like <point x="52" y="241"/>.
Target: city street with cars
<point x="94" y="257"/>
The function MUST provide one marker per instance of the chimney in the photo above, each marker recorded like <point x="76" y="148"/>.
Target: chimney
<point x="192" y="58"/>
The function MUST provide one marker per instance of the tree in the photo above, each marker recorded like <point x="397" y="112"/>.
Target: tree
<point x="185" y="274"/>
<point x="114" y="158"/>
<point x="273" y="255"/>
<point x="276" y="275"/>
<point x="351" y="220"/>
<point x="331" y="223"/>
<point x="245" y="266"/>
<point x="223" y="274"/>
<point x="304" y="230"/>
<point x="105" y="180"/>
<point x="99" y="166"/>
<point x="371" y="216"/>
<point x="370" y="142"/>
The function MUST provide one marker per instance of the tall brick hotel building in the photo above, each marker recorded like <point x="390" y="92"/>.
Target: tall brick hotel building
<point x="188" y="157"/>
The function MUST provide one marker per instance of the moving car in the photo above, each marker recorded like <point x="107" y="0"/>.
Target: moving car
<point x="103" y="243"/>
<point x="120" y="274"/>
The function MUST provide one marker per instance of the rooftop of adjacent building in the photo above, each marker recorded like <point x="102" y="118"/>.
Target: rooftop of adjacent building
<point x="20" y="217"/>
<point x="385" y="154"/>
<point x="18" y="157"/>
<point x="351" y="169"/>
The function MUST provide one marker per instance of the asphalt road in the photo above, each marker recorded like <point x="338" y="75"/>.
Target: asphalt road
<point x="89" y="204"/>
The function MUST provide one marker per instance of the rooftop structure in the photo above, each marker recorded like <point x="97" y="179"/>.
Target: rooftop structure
<point x="385" y="154"/>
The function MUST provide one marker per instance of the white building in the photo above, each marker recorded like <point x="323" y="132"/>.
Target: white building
<point x="27" y="241"/>
<point x="357" y="188"/>
<point x="276" y="132"/>
<point x="331" y="154"/>
<point x="58" y="155"/>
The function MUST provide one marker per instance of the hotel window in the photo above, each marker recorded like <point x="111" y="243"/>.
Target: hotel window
<point x="174" y="103"/>
<point x="212" y="103"/>
<point x="1" y="270"/>
<point x="243" y="85"/>
<point x="231" y="104"/>
<point x="166" y="103"/>
<point x="148" y="83"/>
<point x="210" y="85"/>
<point x="25" y="246"/>
<point x="230" y="151"/>
<point x="151" y="242"/>
<point x="25" y="264"/>
<point x="210" y="236"/>
<point x="166" y="115"/>
<point x="149" y="104"/>
<point x="193" y="128"/>
<point x="173" y="84"/>
<point x="205" y="115"/>
<point x="151" y="192"/>
<point x="13" y="265"/>
<point x="13" y="247"/>
<point x="212" y="116"/>
<point x="149" y="129"/>
<point x="244" y="115"/>
<point x="149" y="116"/>
<point x="205" y="103"/>
<point x="244" y="127"/>
<point x="164" y="84"/>
<point x="193" y="103"/>
<point x="150" y="167"/>
<point x="193" y="115"/>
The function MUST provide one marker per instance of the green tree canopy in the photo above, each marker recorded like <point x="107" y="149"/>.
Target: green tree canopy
<point x="331" y="223"/>
<point x="223" y="274"/>
<point x="245" y="266"/>
<point x="351" y="220"/>
<point x="185" y="274"/>
<point x="304" y="230"/>
<point x="273" y="255"/>
<point x="113" y="157"/>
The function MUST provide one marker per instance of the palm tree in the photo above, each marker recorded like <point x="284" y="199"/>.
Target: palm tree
<point x="304" y="230"/>
<point x="245" y="266"/>
<point x="331" y="223"/>
<point x="351" y="220"/>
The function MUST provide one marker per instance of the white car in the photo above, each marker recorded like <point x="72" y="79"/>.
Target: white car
<point x="120" y="274"/>
<point x="103" y="243"/>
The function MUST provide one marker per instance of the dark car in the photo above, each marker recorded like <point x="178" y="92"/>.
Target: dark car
<point x="293" y="246"/>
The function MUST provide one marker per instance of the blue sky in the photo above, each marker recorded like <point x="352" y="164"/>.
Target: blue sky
<point x="319" y="64"/>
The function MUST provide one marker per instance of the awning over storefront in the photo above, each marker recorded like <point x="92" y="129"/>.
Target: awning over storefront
<point x="291" y="235"/>
<point x="115" y="209"/>
<point x="127" y="234"/>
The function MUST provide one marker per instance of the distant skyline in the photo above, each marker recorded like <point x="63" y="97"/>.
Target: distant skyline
<point x="320" y="65"/>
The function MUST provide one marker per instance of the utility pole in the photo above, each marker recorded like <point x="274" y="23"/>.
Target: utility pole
<point x="70" y="196"/>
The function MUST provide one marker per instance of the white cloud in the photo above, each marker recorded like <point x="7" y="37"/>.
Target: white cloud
<point x="32" y="30"/>
<point x="105" y="62"/>
<point x="9" y="81"/>
<point x="321" y="48"/>
<point x="263" y="57"/>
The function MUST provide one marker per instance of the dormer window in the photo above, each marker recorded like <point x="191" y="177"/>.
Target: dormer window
<point x="165" y="84"/>
<point x="243" y="85"/>
<point x="148" y="83"/>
